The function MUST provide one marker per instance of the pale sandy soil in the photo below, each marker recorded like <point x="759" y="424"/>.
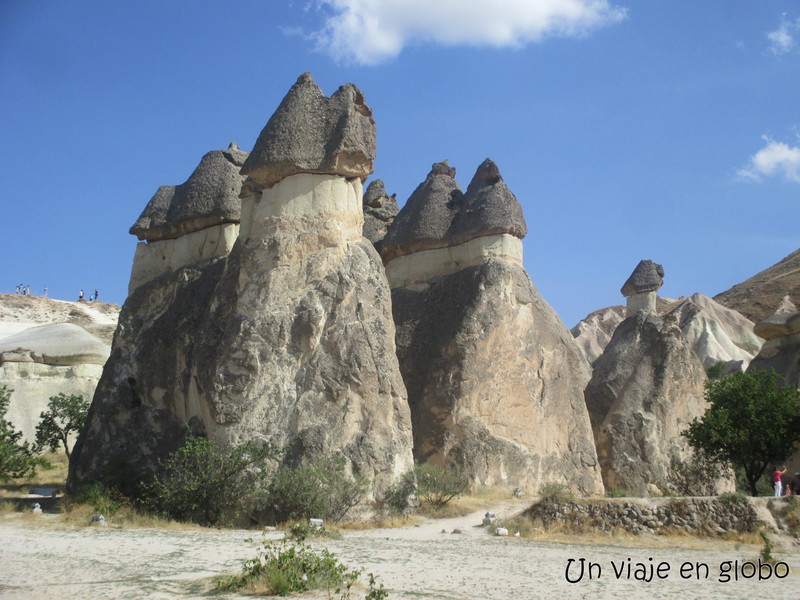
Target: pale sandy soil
<point x="414" y="562"/>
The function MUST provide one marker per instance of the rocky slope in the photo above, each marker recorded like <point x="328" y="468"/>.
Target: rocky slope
<point x="494" y="379"/>
<point x="758" y="297"/>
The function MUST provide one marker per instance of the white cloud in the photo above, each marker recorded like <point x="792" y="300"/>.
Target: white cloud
<point x="781" y="41"/>
<point x="774" y="159"/>
<point x="372" y="31"/>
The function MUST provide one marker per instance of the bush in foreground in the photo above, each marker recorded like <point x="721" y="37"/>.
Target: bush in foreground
<point x="285" y="567"/>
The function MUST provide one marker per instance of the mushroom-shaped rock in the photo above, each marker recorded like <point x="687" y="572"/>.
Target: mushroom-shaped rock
<point x="488" y="208"/>
<point x="646" y="277"/>
<point x="209" y="197"/>
<point x="311" y="133"/>
<point x="778" y="325"/>
<point x="425" y="220"/>
<point x="380" y="210"/>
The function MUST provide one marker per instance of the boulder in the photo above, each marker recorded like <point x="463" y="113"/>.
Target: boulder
<point x="311" y="133"/>
<point x="646" y="388"/>
<point x="289" y="338"/>
<point x="494" y="379"/>
<point x="641" y="287"/>
<point x="781" y="351"/>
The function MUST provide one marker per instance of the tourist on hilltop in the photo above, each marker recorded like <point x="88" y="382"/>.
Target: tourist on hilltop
<point x="777" y="481"/>
<point x="80" y="296"/>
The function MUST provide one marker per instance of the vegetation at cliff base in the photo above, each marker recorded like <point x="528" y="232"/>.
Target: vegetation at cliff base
<point x="17" y="457"/>
<point x="752" y="422"/>
<point x="65" y="416"/>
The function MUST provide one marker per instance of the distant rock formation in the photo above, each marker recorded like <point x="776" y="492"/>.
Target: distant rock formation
<point x="289" y="338"/>
<point x="641" y="287"/>
<point x="715" y="333"/>
<point x="46" y="348"/>
<point x="781" y="351"/>
<point x="645" y="389"/>
<point x="380" y="210"/>
<point x="593" y="333"/>
<point x="191" y="222"/>
<point x="757" y="297"/>
<point x="495" y="381"/>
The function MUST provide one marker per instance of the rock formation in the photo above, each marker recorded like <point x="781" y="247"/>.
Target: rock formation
<point x="641" y="287"/>
<point x="645" y="389"/>
<point x="757" y="297"/>
<point x="494" y="379"/>
<point x="781" y="351"/>
<point x="289" y="338"/>
<point x="189" y="223"/>
<point x="380" y="210"/>
<point x="49" y="347"/>
<point x="715" y="333"/>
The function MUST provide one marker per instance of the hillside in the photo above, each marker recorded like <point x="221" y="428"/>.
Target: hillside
<point x="758" y="297"/>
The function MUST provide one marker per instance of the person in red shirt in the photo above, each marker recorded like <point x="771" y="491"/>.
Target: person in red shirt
<point x="777" y="481"/>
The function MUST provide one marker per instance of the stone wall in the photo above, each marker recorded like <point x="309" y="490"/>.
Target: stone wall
<point x="704" y="516"/>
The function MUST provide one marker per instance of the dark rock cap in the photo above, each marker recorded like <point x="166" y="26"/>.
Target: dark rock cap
<point x="209" y="197"/>
<point x="425" y="219"/>
<point x="438" y="214"/>
<point x="380" y="210"/>
<point x="489" y="208"/>
<point x="310" y="133"/>
<point x="646" y="277"/>
<point x="778" y="325"/>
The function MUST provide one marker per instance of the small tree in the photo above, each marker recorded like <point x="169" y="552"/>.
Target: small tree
<point x="16" y="458"/>
<point x="203" y="481"/>
<point x="65" y="415"/>
<point x="752" y="422"/>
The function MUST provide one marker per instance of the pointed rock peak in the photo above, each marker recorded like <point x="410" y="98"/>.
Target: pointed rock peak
<point x="376" y="191"/>
<point x="235" y="155"/>
<point x="310" y="133"/>
<point x="487" y="174"/>
<point x="646" y="277"/>
<point x="489" y="208"/>
<point x="442" y="168"/>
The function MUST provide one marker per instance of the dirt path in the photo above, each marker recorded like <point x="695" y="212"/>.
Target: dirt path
<point x="414" y="562"/>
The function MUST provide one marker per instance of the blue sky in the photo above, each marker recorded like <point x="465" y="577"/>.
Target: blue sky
<point x="667" y="130"/>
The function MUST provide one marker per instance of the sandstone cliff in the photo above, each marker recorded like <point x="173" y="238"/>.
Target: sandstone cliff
<point x="288" y="338"/>
<point x="495" y="381"/>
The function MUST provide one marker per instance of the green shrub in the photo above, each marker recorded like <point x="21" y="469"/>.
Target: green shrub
<point x="318" y="487"/>
<point x="693" y="476"/>
<point x="95" y="494"/>
<point x="617" y="492"/>
<point x="732" y="497"/>
<point x="17" y="459"/>
<point x="557" y="492"/>
<point x="286" y="566"/>
<point x="437" y="486"/>
<point x="64" y="417"/>
<point x="398" y="498"/>
<point x="205" y="482"/>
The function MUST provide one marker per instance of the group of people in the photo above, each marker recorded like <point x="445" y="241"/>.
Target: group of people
<point x="779" y="483"/>
<point x="92" y="297"/>
<point x="23" y="289"/>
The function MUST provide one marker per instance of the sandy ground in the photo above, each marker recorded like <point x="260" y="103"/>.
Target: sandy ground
<point x="413" y="562"/>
